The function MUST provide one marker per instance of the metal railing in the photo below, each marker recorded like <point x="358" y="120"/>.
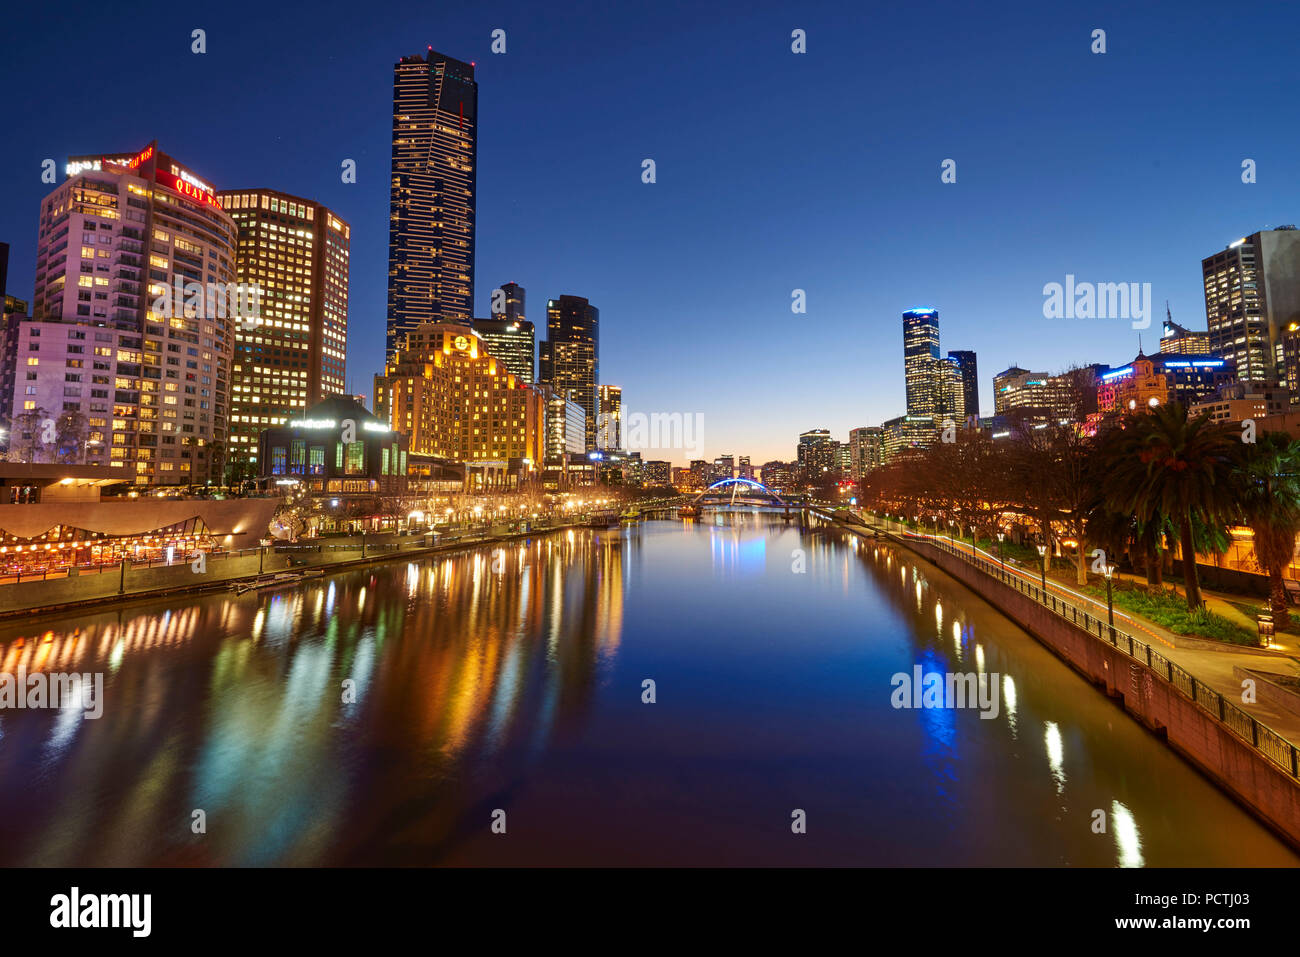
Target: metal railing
<point x="1253" y="732"/>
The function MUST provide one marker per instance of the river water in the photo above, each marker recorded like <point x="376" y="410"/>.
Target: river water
<point x="489" y="707"/>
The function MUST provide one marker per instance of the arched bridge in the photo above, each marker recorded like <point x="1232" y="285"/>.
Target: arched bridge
<point x="742" y="490"/>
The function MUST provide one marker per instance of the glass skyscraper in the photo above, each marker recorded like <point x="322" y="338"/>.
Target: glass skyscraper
<point x="432" y="194"/>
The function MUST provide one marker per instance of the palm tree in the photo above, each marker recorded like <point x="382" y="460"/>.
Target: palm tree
<point x="1162" y="463"/>
<point x="1270" y="506"/>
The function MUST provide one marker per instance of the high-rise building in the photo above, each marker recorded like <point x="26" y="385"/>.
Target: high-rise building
<point x="570" y="356"/>
<point x="130" y="346"/>
<point x="291" y="357"/>
<point x="454" y="400"/>
<point x="906" y="432"/>
<point x="921" y="360"/>
<point x="865" y="450"/>
<point x="566" y="427"/>
<point x="609" y="420"/>
<point x="432" y="193"/>
<point x="1179" y="340"/>
<point x="818" y="454"/>
<point x="1252" y="294"/>
<point x="513" y="302"/>
<point x="968" y="374"/>
<point x="513" y="341"/>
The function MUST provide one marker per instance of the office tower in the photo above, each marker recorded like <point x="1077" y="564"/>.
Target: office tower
<point x="513" y="303"/>
<point x="513" y="341"/>
<point x="130" y="345"/>
<point x="968" y="374"/>
<point x="818" y="453"/>
<point x="570" y="356"/>
<point x="609" y="420"/>
<point x="1001" y="384"/>
<point x="921" y="360"/>
<point x="724" y="467"/>
<point x="292" y="357"/>
<point x="432" y="193"/>
<point x="566" y="427"/>
<point x="1252" y="294"/>
<point x="1176" y="339"/>
<point x="744" y="468"/>
<point x="454" y="400"/>
<point x="865" y="450"/>
<point x="905" y="432"/>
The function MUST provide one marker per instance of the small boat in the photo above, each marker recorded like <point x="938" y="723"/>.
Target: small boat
<point x="689" y="511"/>
<point x="277" y="580"/>
<point x="603" y="518"/>
<point x="630" y="516"/>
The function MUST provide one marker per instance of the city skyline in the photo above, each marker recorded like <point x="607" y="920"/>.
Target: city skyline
<point x="615" y="247"/>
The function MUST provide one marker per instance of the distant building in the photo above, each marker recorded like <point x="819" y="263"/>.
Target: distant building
<point x="818" y="454"/>
<point x="570" y="356"/>
<point x="1252" y="295"/>
<point x="1237" y="401"/>
<point x="513" y="341"/>
<point x="907" y="432"/>
<point x="968" y="374"/>
<point x="609" y="420"/>
<point x="1132" y="388"/>
<point x="656" y="473"/>
<point x="566" y="427"/>
<point x="1181" y="341"/>
<point x="866" y="450"/>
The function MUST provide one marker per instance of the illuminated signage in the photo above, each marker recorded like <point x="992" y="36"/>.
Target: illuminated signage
<point x="191" y="178"/>
<point x="1117" y="373"/>
<point x="187" y="190"/>
<point x="141" y="158"/>
<point x="80" y="166"/>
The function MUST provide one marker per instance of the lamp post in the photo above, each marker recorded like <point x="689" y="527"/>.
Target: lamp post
<point x="952" y="539"/>
<point x="972" y="541"/>
<point x="936" y="525"/>
<point x="1109" y="571"/>
<point x="1042" y="568"/>
<point x="1001" y="560"/>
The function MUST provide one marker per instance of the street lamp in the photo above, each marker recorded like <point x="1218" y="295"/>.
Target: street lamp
<point x="972" y="541"/>
<point x="952" y="540"/>
<point x="1042" y="567"/>
<point x="1001" y="560"/>
<point x="1109" y="571"/>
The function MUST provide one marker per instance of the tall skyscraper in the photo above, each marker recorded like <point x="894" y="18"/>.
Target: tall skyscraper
<point x="135" y="375"/>
<point x="514" y="303"/>
<point x="432" y="193"/>
<point x="1252" y="294"/>
<point x="609" y="421"/>
<point x="292" y="357"/>
<point x="570" y="356"/>
<point x="921" y="361"/>
<point x="968" y="373"/>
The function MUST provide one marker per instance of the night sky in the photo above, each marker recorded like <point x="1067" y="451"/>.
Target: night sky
<point x="776" y="171"/>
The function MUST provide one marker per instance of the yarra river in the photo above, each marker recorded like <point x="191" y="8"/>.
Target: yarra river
<point x="386" y="715"/>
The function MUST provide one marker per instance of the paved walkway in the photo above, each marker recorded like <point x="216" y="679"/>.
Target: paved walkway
<point x="1213" y="666"/>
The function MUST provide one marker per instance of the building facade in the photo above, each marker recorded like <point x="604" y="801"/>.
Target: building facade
<point x="129" y="350"/>
<point x="570" y="356"/>
<point x="609" y="420"/>
<point x="1252" y="294"/>
<point x="432" y="193"/>
<point x="453" y="399"/>
<point x="293" y="355"/>
<point x="514" y="342"/>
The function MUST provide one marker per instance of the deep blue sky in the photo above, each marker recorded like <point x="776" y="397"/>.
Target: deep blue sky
<point x="776" y="171"/>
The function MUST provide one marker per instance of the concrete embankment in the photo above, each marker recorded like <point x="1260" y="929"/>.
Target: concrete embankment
<point x="1242" y="756"/>
<point x="116" y="584"/>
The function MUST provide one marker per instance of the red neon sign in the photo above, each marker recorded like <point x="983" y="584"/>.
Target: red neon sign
<point x="141" y="158"/>
<point x="187" y="190"/>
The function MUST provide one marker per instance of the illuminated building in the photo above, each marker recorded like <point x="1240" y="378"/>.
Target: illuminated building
<point x="1191" y="377"/>
<point x="1236" y="401"/>
<point x="968" y="376"/>
<point x="866" y="448"/>
<point x="453" y="399"/>
<point x="1132" y="388"/>
<point x="656" y="473"/>
<point x="566" y="427"/>
<point x="907" y="432"/>
<point x="513" y="341"/>
<point x="1181" y="341"/>
<point x="337" y="448"/>
<point x="292" y="356"/>
<point x="140" y="391"/>
<point x="818" y="454"/>
<point x="609" y="420"/>
<point x="431" y="194"/>
<point x="570" y="356"/>
<point x="935" y="385"/>
<point x="782" y="477"/>
<point x="1252" y="294"/>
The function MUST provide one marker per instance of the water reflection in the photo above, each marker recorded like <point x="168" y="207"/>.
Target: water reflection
<point x="381" y="716"/>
